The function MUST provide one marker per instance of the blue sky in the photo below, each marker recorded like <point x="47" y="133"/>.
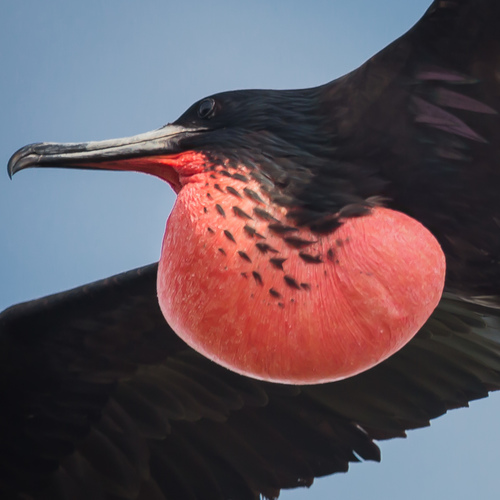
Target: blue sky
<point x="76" y="71"/>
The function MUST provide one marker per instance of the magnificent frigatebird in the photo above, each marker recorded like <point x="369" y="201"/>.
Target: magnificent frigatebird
<point x="461" y="129"/>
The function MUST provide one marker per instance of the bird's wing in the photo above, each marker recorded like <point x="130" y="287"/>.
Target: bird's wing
<point x="101" y="400"/>
<point x="422" y="119"/>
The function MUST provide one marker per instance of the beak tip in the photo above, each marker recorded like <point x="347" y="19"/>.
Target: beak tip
<point x="23" y="158"/>
<point x="11" y="167"/>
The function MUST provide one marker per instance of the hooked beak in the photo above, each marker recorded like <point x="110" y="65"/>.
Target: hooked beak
<point x="113" y="154"/>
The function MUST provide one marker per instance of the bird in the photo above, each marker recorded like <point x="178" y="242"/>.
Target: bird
<point x="449" y="124"/>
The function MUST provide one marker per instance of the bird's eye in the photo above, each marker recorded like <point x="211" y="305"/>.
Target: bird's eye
<point x="207" y="108"/>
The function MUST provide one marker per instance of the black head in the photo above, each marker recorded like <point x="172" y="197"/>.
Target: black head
<point x="288" y="137"/>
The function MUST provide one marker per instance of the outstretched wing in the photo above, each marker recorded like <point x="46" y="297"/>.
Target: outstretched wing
<point x="419" y="122"/>
<point x="101" y="400"/>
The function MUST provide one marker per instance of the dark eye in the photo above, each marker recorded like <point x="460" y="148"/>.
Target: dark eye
<point x="206" y="109"/>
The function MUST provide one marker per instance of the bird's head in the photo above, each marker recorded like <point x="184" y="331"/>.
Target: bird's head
<point x="276" y="260"/>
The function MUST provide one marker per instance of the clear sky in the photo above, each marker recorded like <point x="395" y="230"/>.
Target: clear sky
<point x="76" y="71"/>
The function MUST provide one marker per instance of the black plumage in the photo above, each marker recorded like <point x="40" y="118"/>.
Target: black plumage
<point x="100" y="398"/>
